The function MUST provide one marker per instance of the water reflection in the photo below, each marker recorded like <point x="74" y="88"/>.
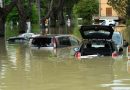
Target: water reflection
<point x="24" y="71"/>
<point x="3" y="51"/>
<point x="128" y="66"/>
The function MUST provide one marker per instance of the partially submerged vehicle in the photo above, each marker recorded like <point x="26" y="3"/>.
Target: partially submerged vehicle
<point x="21" y="38"/>
<point x="52" y="41"/>
<point x="120" y="42"/>
<point x="17" y="39"/>
<point x="97" y="41"/>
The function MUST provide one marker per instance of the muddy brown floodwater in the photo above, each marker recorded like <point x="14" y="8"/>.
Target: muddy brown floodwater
<point x="24" y="69"/>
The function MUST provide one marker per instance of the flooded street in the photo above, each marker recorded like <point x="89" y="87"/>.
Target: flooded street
<point x="24" y="69"/>
<point x="20" y="69"/>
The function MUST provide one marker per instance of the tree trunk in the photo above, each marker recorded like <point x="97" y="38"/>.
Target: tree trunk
<point x="22" y="17"/>
<point x="22" y="25"/>
<point x="53" y="17"/>
<point x="3" y="13"/>
<point x="2" y="26"/>
<point x="61" y="18"/>
<point x="3" y="51"/>
<point x="55" y="13"/>
<point x="60" y="13"/>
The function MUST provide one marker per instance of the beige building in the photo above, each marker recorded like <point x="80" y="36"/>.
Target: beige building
<point x="106" y="11"/>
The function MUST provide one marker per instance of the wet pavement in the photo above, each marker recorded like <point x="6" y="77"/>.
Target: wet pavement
<point x="24" y="69"/>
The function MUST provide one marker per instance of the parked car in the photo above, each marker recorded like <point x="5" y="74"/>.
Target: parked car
<point x="49" y="42"/>
<point x="21" y="38"/>
<point x="108" y="22"/>
<point x="16" y="39"/>
<point x="97" y="41"/>
<point x="119" y="41"/>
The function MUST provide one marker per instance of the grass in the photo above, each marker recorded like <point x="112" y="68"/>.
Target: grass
<point x="10" y="32"/>
<point x="36" y="28"/>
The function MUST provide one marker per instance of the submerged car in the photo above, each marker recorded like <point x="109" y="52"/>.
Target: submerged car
<point x="117" y="37"/>
<point x="97" y="41"/>
<point x="21" y="38"/>
<point x="17" y="40"/>
<point x="50" y="42"/>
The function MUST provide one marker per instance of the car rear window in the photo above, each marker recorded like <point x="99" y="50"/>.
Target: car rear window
<point x="99" y="48"/>
<point x="96" y="34"/>
<point x="42" y="41"/>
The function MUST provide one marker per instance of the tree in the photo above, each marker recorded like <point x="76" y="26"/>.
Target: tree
<point x="69" y="4"/>
<point x="128" y="9"/>
<point x="119" y="6"/>
<point x="86" y="9"/>
<point x="4" y="11"/>
<point x="24" y="11"/>
<point x="56" y="11"/>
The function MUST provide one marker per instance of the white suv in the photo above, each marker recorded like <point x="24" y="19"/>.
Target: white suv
<point x="109" y="22"/>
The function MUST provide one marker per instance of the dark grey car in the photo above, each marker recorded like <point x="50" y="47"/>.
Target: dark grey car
<point x="97" y="41"/>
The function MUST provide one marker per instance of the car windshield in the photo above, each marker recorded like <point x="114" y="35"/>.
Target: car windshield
<point x="96" y="34"/>
<point x="117" y="38"/>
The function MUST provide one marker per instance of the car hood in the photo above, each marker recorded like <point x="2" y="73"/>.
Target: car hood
<point x="96" y="32"/>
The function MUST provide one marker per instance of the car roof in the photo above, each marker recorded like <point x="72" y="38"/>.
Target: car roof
<point x="96" y="32"/>
<point x="52" y="35"/>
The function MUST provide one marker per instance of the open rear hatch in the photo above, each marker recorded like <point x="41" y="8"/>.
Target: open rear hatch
<point x="96" y="32"/>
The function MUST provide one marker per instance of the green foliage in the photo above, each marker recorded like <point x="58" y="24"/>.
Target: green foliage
<point x="86" y="9"/>
<point x="7" y="1"/>
<point x="34" y="16"/>
<point x="35" y="28"/>
<point x="13" y="16"/>
<point x="14" y="31"/>
<point x="76" y="32"/>
<point x="128" y="22"/>
<point x="44" y="7"/>
<point x="11" y="32"/>
<point x="69" y="6"/>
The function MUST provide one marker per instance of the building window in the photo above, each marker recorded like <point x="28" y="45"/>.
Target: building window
<point x="108" y="11"/>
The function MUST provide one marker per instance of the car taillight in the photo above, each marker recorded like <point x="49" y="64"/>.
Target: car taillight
<point x="114" y="54"/>
<point x="78" y="55"/>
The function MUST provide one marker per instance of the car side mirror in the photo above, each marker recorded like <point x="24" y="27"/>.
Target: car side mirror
<point x="76" y="49"/>
<point x="125" y="43"/>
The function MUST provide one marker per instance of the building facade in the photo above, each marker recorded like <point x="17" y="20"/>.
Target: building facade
<point x="106" y="11"/>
